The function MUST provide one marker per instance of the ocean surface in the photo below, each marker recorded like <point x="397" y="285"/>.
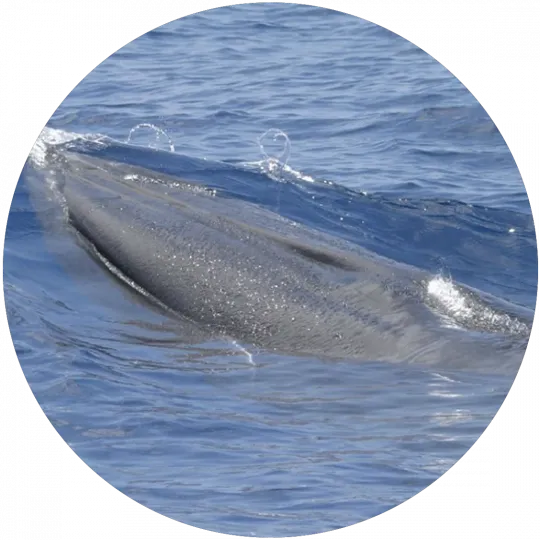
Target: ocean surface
<point x="383" y="148"/>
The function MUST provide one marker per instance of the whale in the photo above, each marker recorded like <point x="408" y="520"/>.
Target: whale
<point x="250" y="275"/>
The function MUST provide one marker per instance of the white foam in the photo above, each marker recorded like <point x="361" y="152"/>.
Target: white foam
<point x="50" y="137"/>
<point x="462" y="309"/>
<point x="448" y="295"/>
<point x="47" y="138"/>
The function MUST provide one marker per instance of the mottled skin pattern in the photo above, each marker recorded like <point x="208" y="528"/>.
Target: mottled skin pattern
<point x="253" y="276"/>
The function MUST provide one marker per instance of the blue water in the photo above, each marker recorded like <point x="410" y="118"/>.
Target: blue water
<point x="388" y="150"/>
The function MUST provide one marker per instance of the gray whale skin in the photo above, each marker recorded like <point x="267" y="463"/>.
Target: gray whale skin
<point x="250" y="275"/>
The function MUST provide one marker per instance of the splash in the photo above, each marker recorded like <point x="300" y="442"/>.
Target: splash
<point x="160" y="133"/>
<point x="463" y="308"/>
<point x="274" y="164"/>
<point x="47" y="138"/>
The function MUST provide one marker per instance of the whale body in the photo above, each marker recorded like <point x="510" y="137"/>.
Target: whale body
<point x="251" y="275"/>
